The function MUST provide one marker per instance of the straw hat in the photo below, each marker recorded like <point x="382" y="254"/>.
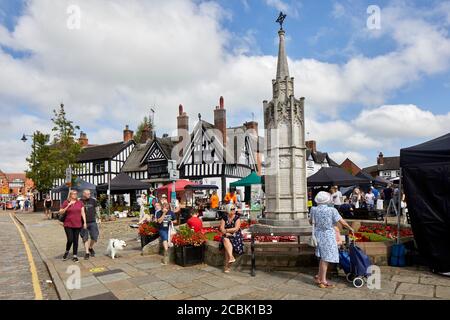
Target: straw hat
<point x="323" y="198"/>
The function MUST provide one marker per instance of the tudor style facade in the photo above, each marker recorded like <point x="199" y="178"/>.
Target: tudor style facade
<point x="148" y="161"/>
<point x="98" y="164"/>
<point x="203" y="155"/>
<point x="217" y="155"/>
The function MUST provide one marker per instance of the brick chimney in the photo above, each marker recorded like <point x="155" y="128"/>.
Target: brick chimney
<point x="146" y="134"/>
<point x="183" y="122"/>
<point x="83" y="139"/>
<point x="311" y="145"/>
<point x="127" y="134"/>
<point x="380" y="159"/>
<point x="220" y="120"/>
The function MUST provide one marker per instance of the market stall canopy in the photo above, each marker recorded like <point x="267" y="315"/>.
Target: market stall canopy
<point x="334" y="176"/>
<point x="426" y="181"/>
<point x="180" y="186"/>
<point x="365" y="175"/>
<point x="251" y="179"/>
<point x="79" y="185"/>
<point x="380" y="181"/>
<point x="200" y="187"/>
<point x="123" y="182"/>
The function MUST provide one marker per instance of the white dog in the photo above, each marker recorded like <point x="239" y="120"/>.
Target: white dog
<point x="114" y="246"/>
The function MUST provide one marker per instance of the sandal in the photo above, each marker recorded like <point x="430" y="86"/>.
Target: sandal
<point x="226" y="270"/>
<point x="232" y="261"/>
<point x="326" y="285"/>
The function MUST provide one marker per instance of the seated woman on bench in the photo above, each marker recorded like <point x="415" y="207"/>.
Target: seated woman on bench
<point x="232" y="240"/>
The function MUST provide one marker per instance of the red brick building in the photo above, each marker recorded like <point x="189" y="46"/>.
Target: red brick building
<point x="15" y="183"/>
<point x="349" y="166"/>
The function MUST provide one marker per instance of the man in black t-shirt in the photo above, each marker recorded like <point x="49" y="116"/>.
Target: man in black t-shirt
<point x="91" y="209"/>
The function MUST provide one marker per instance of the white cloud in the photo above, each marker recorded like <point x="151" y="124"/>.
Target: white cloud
<point x="402" y="121"/>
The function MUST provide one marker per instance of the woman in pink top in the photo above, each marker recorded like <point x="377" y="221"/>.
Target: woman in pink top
<point x="74" y="221"/>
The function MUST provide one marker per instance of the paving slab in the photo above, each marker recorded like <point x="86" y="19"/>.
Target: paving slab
<point x="90" y="291"/>
<point x="422" y="290"/>
<point x="435" y="280"/>
<point x="113" y="277"/>
<point x="443" y="292"/>
<point x="406" y="278"/>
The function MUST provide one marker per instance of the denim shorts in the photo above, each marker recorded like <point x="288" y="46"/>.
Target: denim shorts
<point x="90" y="232"/>
<point x="164" y="234"/>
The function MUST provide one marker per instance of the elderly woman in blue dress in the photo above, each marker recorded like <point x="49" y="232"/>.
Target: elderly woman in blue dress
<point x="232" y="240"/>
<point x="324" y="218"/>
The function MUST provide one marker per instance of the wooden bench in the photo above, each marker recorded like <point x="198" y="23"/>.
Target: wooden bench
<point x="272" y="245"/>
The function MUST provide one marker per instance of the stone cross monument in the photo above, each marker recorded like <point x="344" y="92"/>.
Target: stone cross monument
<point x="285" y="170"/>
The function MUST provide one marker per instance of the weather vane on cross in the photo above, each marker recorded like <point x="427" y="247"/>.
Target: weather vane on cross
<point x="280" y="19"/>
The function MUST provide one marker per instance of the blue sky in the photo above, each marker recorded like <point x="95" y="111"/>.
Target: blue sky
<point x="367" y="90"/>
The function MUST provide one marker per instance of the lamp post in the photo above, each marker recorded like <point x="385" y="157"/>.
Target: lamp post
<point x="24" y="139"/>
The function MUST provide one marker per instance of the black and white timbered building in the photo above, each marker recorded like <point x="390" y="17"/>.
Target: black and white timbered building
<point x="98" y="164"/>
<point x="149" y="161"/>
<point x="211" y="154"/>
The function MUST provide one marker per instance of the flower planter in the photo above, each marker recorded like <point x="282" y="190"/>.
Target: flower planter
<point x="189" y="255"/>
<point x="147" y="239"/>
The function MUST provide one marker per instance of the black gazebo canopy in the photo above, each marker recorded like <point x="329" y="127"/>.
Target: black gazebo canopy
<point x="426" y="181"/>
<point x="124" y="183"/>
<point x="335" y="176"/>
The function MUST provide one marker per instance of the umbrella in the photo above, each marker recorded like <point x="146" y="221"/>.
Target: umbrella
<point x="249" y="180"/>
<point x="201" y="187"/>
<point x="180" y="185"/>
<point x="332" y="176"/>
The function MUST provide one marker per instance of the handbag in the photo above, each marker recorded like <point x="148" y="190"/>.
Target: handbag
<point x="313" y="241"/>
<point x="62" y="216"/>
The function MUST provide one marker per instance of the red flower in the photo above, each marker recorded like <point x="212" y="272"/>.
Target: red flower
<point x="148" y="229"/>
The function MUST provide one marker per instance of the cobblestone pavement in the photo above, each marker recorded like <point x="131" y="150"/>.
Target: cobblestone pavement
<point x="15" y="275"/>
<point x="133" y="276"/>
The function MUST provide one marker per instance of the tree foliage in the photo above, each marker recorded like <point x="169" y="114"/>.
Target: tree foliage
<point x="65" y="146"/>
<point x="140" y="129"/>
<point x="41" y="168"/>
<point x="50" y="159"/>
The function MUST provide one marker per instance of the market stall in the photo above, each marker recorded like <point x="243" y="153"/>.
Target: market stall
<point x="79" y="185"/>
<point x="253" y="193"/>
<point x="426" y="182"/>
<point x="199" y="196"/>
<point x="123" y="184"/>
<point x="334" y="176"/>
<point x="179" y="189"/>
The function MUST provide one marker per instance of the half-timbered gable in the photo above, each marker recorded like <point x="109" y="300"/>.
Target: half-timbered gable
<point x="99" y="163"/>
<point x="206" y="160"/>
<point x="149" y="162"/>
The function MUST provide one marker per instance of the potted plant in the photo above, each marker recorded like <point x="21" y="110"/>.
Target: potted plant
<point x="148" y="232"/>
<point x="189" y="246"/>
